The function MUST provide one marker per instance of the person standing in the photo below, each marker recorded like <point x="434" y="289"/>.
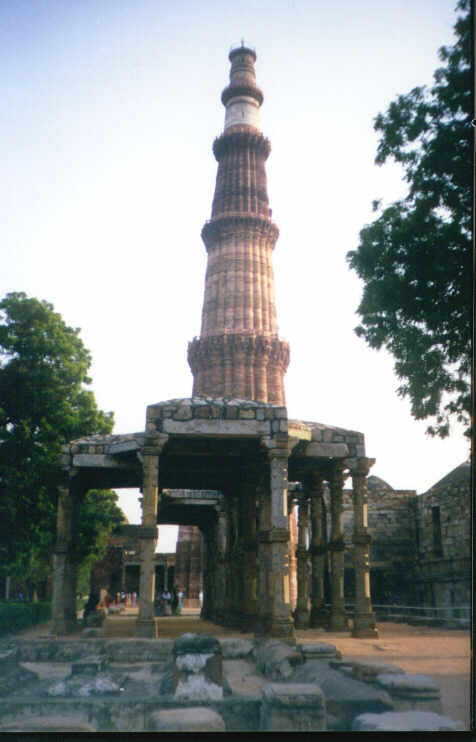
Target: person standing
<point x="166" y="597"/>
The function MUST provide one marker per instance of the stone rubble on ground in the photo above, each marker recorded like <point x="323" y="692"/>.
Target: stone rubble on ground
<point x="199" y="683"/>
<point x="195" y="719"/>
<point x="411" y="692"/>
<point x="409" y="721"/>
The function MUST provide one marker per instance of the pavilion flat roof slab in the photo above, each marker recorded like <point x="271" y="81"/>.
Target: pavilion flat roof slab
<point x="110" y="444"/>
<point x="104" y="452"/>
<point x="210" y="417"/>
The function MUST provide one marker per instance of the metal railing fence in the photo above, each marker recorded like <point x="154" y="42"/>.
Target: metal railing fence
<point x="420" y="614"/>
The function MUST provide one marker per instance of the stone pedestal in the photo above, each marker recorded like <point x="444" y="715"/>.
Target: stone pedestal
<point x="197" y="668"/>
<point x="292" y="707"/>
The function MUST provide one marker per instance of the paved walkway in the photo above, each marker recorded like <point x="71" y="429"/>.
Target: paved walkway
<point x="443" y="654"/>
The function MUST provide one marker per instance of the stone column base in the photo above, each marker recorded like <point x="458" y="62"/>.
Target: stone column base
<point x="364" y="626"/>
<point x="63" y="626"/>
<point x="250" y="622"/>
<point x="338" y="621"/>
<point x="319" y="619"/>
<point x="270" y="626"/>
<point x="232" y="620"/>
<point x="146" y="628"/>
<point x="302" y="619"/>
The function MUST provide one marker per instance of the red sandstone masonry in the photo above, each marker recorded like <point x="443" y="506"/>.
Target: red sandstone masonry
<point x="239" y="353"/>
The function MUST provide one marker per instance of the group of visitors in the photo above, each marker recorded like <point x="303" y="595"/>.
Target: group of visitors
<point x="127" y="599"/>
<point x="169" y="603"/>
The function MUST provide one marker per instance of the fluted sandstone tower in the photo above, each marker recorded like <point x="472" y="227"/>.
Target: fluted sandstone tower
<point x="239" y="353"/>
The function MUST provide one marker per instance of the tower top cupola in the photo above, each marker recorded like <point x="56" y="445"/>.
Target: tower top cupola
<point x="242" y="98"/>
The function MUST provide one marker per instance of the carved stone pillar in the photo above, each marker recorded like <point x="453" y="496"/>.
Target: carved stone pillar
<point x="338" y="617"/>
<point x="318" y="616"/>
<point x="364" y="617"/>
<point x="205" y="608"/>
<point x="264" y="560"/>
<point x="273" y="559"/>
<point x="302" y="616"/>
<point x="146" y="625"/>
<point x="237" y="565"/>
<point x="64" y="559"/>
<point x="220" y="569"/>
<point x="233" y="571"/>
<point x="211" y="552"/>
<point x="250" y="565"/>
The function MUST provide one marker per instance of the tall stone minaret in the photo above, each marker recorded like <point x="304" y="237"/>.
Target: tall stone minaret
<point x="239" y="353"/>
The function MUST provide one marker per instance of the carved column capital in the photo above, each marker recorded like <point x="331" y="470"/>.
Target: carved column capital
<point x="360" y="467"/>
<point x="153" y="444"/>
<point x="337" y="474"/>
<point x="278" y="452"/>
<point x="315" y="482"/>
<point x="301" y="497"/>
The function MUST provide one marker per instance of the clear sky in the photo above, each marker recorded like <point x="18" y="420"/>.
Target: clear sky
<point x="109" y="111"/>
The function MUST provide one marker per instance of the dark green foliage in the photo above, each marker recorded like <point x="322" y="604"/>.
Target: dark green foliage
<point x="43" y="404"/>
<point x="415" y="258"/>
<point x="19" y="616"/>
<point x="100" y="517"/>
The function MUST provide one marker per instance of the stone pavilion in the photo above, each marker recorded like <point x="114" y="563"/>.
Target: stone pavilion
<point x="224" y="459"/>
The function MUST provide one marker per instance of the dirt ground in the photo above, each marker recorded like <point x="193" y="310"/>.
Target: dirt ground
<point x="442" y="654"/>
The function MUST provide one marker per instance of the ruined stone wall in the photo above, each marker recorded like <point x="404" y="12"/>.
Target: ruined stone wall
<point x="421" y="545"/>
<point x="444" y="517"/>
<point x="392" y="527"/>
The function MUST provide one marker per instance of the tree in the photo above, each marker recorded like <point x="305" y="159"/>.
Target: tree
<point x="100" y="517"/>
<point x="415" y="258"/>
<point x="43" y="404"/>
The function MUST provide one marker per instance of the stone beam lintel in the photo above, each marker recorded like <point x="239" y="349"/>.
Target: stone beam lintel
<point x="98" y="461"/>
<point x="238" y="428"/>
<point x="327" y="450"/>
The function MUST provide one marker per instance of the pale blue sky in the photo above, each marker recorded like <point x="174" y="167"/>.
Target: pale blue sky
<point x="109" y="111"/>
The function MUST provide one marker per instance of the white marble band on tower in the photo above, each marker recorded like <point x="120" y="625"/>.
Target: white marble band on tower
<point x="242" y="110"/>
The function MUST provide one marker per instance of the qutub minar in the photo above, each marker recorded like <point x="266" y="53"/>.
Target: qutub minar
<point x="228" y="460"/>
<point x="239" y="353"/>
